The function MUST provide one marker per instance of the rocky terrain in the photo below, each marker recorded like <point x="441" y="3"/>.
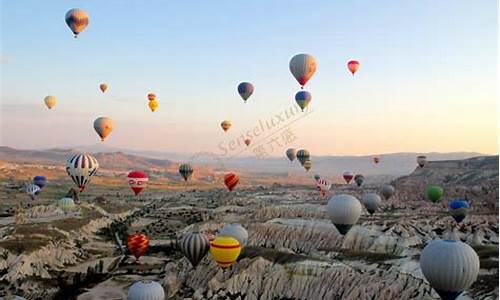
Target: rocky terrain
<point x="294" y="251"/>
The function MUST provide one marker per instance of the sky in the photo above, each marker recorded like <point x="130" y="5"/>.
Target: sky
<point x="427" y="80"/>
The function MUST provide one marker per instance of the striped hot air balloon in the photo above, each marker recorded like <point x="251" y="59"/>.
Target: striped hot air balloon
<point x="225" y="250"/>
<point x="81" y="168"/>
<point x="194" y="246"/>
<point x="137" y="181"/>
<point x="231" y="180"/>
<point x="137" y="244"/>
<point x="33" y="190"/>
<point x="303" y="155"/>
<point x="323" y="186"/>
<point x="66" y="204"/>
<point x="186" y="171"/>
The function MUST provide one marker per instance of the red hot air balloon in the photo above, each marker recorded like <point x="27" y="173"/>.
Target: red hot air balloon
<point x="231" y="180"/>
<point x="353" y="66"/>
<point x="348" y="176"/>
<point x="137" y="244"/>
<point x="137" y="181"/>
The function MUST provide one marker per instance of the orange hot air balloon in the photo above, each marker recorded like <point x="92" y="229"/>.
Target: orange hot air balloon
<point x="137" y="244"/>
<point x="151" y="96"/>
<point x="353" y="66"/>
<point x="247" y="142"/>
<point x="226" y="124"/>
<point x="103" y="87"/>
<point x="231" y="180"/>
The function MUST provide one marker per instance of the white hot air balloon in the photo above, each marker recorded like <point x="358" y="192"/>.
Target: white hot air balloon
<point x="81" y="168"/>
<point x="146" y="290"/>
<point x="371" y="201"/>
<point x="66" y="204"/>
<point x="387" y="191"/>
<point x="303" y="67"/>
<point x="450" y="267"/>
<point x="236" y="231"/>
<point x="344" y="211"/>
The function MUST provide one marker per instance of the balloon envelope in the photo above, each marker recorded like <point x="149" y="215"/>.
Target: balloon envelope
<point x="81" y="168"/>
<point x="77" y="20"/>
<point x="225" y="250"/>
<point x="137" y="180"/>
<point x="146" y="290"/>
<point x="186" y="171"/>
<point x="371" y="201"/>
<point x="459" y="209"/>
<point x="302" y="66"/>
<point x="344" y="211"/>
<point x="353" y="66"/>
<point x="359" y="179"/>
<point x="50" y="101"/>
<point x="303" y="156"/>
<point x="323" y="186"/>
<point x="226" y="124"/>
<point x="291" y="153"/>
<point x="236" y="231"/>
<point x="66" y="204"/>
<point x="103" y="126"/>
<point x="137" y="244"/>
<point x="231" y="180"/>
<point x="194" y="246"/>
<point x="387" y="191"/>
<point x="421" y="160"/>
<point x="303" y="98"/>
<point x="32" y="191"/>
<point x="307" y="165"/>
<point x="434" y="193"/>
<point x="153" y="105"/>
<point x="245" y="89"/>
<point x="40" y="181"/>
<point x="103" y="87"/>
<point x="247" y="142"/>
<point x="348" y="176"/>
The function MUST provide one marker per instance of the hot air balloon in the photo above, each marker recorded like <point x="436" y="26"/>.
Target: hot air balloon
<point x="50" y="101"/>
<point x="33" y="191"/>
<point x="236" y="231"/>
<point x="146" y="290"/>
<point x="303" y="98"/>
<point x="317" y="177"/>
<point x="153" y="105"/>
<point x="103" y="87"/>
<point x="353" y="66"/>
<point x="103" y="126"/>
<point x="77" y="19"/>
<point x="323" y="186"/>
<point x="247" y="142"/>
<point x="40" y="181"/>
<point x="291" y="153"/>
<point x="151" y="96"/>
<point x="344" y="211"/>
<point x="387" y="191"/>
<point x="225" y="125"/>
<point x="303" y="155"/>
<point x="194" y="246"/>
<point x="458" y="209"/>
<point x="245" y="89"/>
<point x="66" y="204"/>
<point x="421" y="160"/>
<point x="186" y="171"/>
<point x="137" y="180"/>
<point x="371" y="201"/>
<point x="231" y="180"/>
<point x="81" y="168"/>
<point x="376" y="160"/>
<point x="137" y="244"/>
<point x="303" y="67"/>
<point x="225" y="250"/>
<point x="359" y="179"/>
<point x="307" y="165"/>
<point x="450" y="267"/>
<point x="434" y="193"/>
<point x="348" y="176"/>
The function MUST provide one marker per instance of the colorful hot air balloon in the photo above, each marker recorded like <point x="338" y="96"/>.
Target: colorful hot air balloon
<point x="245" y="89"/>
<point x="226" y="124"/>
<point x="77" y="19"/>
<point x="371" y="201"/>
<point x="137" y="180"/>
<point x="450" y="267"/>
<point x="303" y="67"/>
<point x="146" y="290"/>
<point x="359" y="179"/>
<point x="291" y="153"/>
<point x="236" y="231"/>
<point x="376" y="160"/>
<point x="247" y="142"/>
<point x="225" y="250"/>
<point x="153" y="105"/>
<point x="40" y="181"/>
<point x="103" y="126"/>
<point x="348" y="176"/>
<point x="344" y="211"/>
<point x="66" y="204"/>
<point x="307" y="165"/>
<point x="323" y="186"/>
<point x="151" y="96"/>
<point x="137" y="244"/>
<point x="81" y="168"/>
<point x="33" y="191"/>
<point x="186" y="171"/>
<point x="50" y="101"/>
<point x="303" y="98"/>
<point x="458" y="209"/>
<point x="387" y="191"/>
<point x="303" y="155"/>
<point x="103" y="87"/>
<point x="194" y="246"/>
<point x="421" y="160"/>
<point x="231" y="180"/>
<point x="353" y="66"/>
<point x="434" y="193"/>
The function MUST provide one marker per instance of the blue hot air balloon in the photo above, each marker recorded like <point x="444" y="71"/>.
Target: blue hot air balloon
<point x="40" y="181"/>
<point x="303" y="98"/>
<point x="245" y="89"/>
<point x="458" y="209"/>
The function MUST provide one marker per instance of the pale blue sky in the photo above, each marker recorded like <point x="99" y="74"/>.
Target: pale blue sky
<point x="427" y="80"/>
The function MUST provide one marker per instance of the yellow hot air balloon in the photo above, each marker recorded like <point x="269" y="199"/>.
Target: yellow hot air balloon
<point x="225" y="250"/>
<point x="307" y="165"/>
<point x="103" y="87"/>
<point x="103" y="126"/>
<point x="226" y="124"/>
<point x="50" y="101"/>
<point x="153" y="105"/>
